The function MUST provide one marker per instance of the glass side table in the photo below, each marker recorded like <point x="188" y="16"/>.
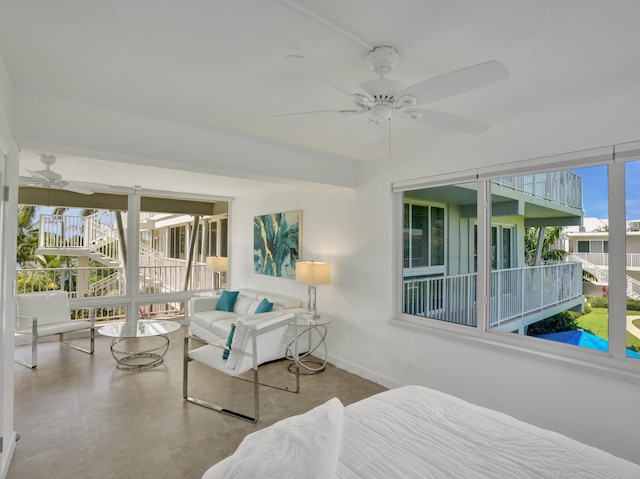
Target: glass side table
<point x="314" y="360"/>
<point x="139" y="358"/>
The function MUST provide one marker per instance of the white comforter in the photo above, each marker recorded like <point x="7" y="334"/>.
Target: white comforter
<point x="414" y="432"/>
<point x="418" y="432"/>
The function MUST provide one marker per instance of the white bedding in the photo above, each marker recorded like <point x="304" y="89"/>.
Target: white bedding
<point x="415" y="432"/>
<point x="418" y="432"/>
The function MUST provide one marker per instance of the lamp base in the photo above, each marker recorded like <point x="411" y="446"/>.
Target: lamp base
<point x="311" y="317"/>
<point x="311" y="300"/>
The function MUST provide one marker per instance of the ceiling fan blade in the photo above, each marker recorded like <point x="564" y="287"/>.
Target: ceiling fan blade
<point x="32" y="180"/>
<point x="73" y="188"/>
<point x="305" y="113"/>
<point x="326" y="76"/>
<point x="444" y="120"/>
<point x="38" y="174"/>
<point x="456" y="82"/>
<point x="319" y="113"/>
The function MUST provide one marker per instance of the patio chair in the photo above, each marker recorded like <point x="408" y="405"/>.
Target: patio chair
<point x="254" y="342"/>
<point x="46" y="314"/>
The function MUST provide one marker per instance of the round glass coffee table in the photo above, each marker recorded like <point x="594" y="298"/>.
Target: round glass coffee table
<point x="139" y="346"/>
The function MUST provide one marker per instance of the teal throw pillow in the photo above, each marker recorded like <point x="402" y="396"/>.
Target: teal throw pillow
<point x="264" y="307"/>
<point x="225" y="353"/>
<point x="227" y="300"/>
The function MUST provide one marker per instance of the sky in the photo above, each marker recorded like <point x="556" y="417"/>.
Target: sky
<point x="594" y="190"/>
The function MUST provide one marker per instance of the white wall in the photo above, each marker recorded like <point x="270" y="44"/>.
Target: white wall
<point x="351" y="229"/>
<point x="7" y="257"/>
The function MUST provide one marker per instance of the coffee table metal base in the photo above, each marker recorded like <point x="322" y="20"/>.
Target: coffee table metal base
<point x="128" y="360"/>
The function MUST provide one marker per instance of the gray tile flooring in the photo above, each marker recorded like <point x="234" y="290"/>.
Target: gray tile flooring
<point x="79" y="416"/>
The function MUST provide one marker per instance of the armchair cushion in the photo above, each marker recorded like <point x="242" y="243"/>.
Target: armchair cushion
<point x="241" y="355"/>
<point x="227" y="301"/>
<point x="52" y="311"/>
<point x="49" y="308"/>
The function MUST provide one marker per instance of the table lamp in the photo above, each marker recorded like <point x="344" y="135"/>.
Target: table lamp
<point x="312" y="273"/>
<point x="217" y="264"/>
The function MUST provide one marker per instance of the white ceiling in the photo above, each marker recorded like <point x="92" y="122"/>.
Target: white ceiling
<point x="219" y="65"/>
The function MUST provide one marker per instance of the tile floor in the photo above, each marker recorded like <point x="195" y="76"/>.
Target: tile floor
<point x="79" y="416"/>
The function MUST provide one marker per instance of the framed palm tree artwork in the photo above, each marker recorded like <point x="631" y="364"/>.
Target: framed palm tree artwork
<point x="276" y="243"/>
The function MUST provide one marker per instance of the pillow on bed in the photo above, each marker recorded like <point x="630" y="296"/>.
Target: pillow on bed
<point x="299" y="446"/>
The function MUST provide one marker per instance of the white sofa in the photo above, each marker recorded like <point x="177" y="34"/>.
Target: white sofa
<point x="211" y="325"/>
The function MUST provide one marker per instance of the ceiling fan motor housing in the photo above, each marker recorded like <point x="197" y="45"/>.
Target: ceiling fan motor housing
<point x="382" y="59"/>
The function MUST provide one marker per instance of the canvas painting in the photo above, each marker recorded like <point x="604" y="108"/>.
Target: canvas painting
<point x="276" y="243"/>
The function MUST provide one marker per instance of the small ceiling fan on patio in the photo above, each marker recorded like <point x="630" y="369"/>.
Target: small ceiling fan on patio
<point x="51" y="179"/>
<point x="382" y="98"/>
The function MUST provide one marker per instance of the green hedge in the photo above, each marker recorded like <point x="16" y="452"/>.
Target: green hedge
<point x="603" y="302"/>
<point x="563" y="321"/>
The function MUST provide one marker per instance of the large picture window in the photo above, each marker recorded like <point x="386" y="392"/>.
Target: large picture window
<point x="531" y="254"/>
<point x="111" y="250"/>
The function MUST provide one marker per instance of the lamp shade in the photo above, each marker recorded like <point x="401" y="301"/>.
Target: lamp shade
<point x="217" y="263"/>
<point x="312" y="273"/>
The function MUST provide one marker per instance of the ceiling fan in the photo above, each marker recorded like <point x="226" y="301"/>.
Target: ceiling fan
<point x="51" y="179"/>
<point x="381" y="98"/>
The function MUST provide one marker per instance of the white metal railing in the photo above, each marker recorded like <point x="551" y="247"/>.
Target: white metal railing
<point x="564" y="187"/>
<point x="61" y="231"/>
<point x="79" y="232"/>
<point x="75" y="280"/>
<point x="107" y="281"/>
<point x="92" y="285"/>
<point x="149" y="256"/>
<point x="633" y="287"/>
<point x="111" y="284"/>
<point x="102" y="239"/>
<point x="515" y="293"/>
<point x="599" y="270"/>
<point x="602" y="259"/>
<point x="596" y="259"/>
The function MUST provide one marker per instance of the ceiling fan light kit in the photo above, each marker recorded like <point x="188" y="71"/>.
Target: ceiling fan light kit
<point x="382" y="97"/>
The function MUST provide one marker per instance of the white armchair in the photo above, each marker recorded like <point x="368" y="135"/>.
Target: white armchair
<point x="254" y="342"/>
<point x="47" y="314"/>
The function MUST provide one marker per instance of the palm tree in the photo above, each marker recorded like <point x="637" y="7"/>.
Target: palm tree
<point x="551" y="237"/>
<point x="27" y="238"/>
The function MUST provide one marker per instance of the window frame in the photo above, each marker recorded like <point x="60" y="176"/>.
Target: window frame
<point x="615" y="360"/>
<point x="429" y="269"/>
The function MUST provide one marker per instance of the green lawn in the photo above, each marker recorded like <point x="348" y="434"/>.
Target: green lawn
<point x="596" y="322"/>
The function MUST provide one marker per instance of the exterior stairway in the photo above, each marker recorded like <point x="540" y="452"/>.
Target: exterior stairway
<point x="91" y="237"/>
<point x="67" y="235"/>
<point x="602" y="276"/>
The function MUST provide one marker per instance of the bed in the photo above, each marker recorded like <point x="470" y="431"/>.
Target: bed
<point x="410" y="432"/>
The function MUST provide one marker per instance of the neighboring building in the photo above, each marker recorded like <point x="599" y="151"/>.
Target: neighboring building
<point x="590" y="246"/>
<point x="441" y="251"/>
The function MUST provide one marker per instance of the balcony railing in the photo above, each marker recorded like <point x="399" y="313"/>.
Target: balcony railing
<point x="602" y="259"/>
<point x="101" y="281"/>
<point x="563" y="187"/>
<point x="515" y="293"/>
